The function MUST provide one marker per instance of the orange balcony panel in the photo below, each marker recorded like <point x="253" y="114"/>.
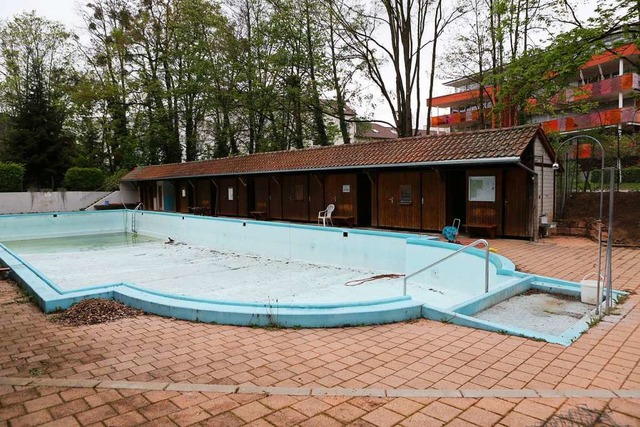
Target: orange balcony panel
<point x="592" y="120"/>
<point x="621" y="51"/>
<point x="457" y="118"/>
<point x="460" y="98"/>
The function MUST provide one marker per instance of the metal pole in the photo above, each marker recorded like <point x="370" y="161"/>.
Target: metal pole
<point x="609" y="292"/>
<point x="486" y="268"/>
<point x="556" y="166"/>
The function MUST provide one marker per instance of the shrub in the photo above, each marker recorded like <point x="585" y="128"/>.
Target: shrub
<point x="11" y="175"/>
<point x="84" y="179"/>
<point x="112" y="183"/>
<point x="630" y="174"/>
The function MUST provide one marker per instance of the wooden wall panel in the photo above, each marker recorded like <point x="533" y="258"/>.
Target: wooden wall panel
<point x="243" y="203"/>
<point x="225" y="205"/>
<point x="275" y="197"/>
<point x="316" y="196"/>
<point x="434" y="203"/>
<point x="393" y="209"/>
<point x="295" y="196"/>
<point x="261" y="193"/>
<point x="203" y="195"/>
<point x="346" y="202"/>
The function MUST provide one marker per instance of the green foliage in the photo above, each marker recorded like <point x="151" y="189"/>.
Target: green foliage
<point x="112" y="182"/>
<point x="33" y="92"/>
<point x="84" y="179"/>
<point x="11" y="175"/>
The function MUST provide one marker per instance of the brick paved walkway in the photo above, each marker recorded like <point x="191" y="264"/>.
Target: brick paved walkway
<point x="167" y="372"/>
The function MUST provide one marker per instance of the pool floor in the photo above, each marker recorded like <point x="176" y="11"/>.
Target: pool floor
<point x="200" y="272"/>
<point x="538" y="311"/>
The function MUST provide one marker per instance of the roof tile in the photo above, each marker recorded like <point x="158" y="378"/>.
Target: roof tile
<point x="495" y="143"/>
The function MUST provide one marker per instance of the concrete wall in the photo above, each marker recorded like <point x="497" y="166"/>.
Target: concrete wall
<point x="128" y="194"/>
<point x="48" y="201"/>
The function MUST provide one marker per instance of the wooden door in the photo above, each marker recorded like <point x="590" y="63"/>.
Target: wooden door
<point x="517" y="203"/>
<point x="295" y="197"/>
<point x="433" y="200"/>
<point x="275" y="197"/>
<point x="227" y="196"/>
<point x="399" y="200"/>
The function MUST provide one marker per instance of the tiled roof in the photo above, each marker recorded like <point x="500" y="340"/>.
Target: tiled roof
<point x="463" y="147"/>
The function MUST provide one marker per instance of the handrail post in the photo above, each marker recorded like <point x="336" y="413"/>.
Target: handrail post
<point x="486" y="264"/>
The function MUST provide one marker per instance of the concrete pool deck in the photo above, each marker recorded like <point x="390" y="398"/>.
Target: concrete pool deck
<point x="167" y="372"/>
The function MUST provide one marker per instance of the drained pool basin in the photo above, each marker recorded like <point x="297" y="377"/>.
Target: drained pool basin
<point x="245" y="272"/>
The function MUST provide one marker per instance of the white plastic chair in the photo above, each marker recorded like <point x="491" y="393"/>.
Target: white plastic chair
<point x="326" y="215"/>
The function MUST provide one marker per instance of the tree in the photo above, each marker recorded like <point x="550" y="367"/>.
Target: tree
<point x="36" y="65"/>
<point x="403" y="22"/>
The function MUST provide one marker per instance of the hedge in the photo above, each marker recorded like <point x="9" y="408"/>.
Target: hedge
<point x="631" y="174"/>
<point x="11" y="175"/>
<point x="83" y="179"/>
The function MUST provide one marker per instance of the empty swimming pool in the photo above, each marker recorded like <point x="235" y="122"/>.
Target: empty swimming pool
<point x="243" y="272"/>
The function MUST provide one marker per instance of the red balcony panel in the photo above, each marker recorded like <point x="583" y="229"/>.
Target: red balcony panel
<point x="458" y="118"/>
<point x="592" y="120"/>
<point x="460" y="98"/>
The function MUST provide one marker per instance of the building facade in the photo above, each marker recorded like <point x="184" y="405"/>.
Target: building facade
<point x="606" y="80"/>
<point x="497" y="181"/>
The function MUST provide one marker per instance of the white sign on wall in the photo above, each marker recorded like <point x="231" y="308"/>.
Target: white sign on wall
<point x="346" y="188"/>
<point x="482" y="188"/>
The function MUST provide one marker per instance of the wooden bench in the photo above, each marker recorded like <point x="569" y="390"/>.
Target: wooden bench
<point x="490" y="229"/>
<point x="199" y="210"/>
<point x="259" y="215"/>
<point x="347" y="220"/>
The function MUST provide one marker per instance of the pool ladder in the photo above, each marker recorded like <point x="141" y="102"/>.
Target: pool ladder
<point x="133" y="218"/>
<point x="462" y="249"/>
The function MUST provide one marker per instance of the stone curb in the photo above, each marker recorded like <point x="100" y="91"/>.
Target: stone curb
<point x="320" y="391"/>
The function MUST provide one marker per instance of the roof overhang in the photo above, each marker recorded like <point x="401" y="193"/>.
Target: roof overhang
<point x="437" y="163"/>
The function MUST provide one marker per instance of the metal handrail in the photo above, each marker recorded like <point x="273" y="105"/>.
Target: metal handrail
<point x="133" y="217"/>
<point x="470" y="245"/>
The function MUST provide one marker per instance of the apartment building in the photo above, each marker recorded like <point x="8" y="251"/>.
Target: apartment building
<point x="607" y="80"/>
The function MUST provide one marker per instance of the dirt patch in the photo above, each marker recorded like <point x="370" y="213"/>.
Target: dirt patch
<point x="94" y="311"/>
<point x="626" y="221"/>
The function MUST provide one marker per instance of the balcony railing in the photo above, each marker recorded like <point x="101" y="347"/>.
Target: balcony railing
<point x="459" y="119"/>
<point x="596" y="119"/>
<point x="603" y="89"/>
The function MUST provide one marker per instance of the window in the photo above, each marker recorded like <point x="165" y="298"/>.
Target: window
<point x="230" y="193"/>
<point x="405" y="194"/>
<point x="298" y="193"/>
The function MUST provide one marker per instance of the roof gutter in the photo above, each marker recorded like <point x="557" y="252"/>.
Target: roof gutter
<point x="484" y="161"/>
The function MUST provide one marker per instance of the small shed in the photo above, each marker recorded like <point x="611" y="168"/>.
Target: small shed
<point x="497" y="181"/>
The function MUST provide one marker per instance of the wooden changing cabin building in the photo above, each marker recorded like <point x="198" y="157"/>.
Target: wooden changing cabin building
<point x="498" y="182"/>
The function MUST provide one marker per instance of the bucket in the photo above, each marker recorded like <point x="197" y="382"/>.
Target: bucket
<point x="589" y="289"/>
